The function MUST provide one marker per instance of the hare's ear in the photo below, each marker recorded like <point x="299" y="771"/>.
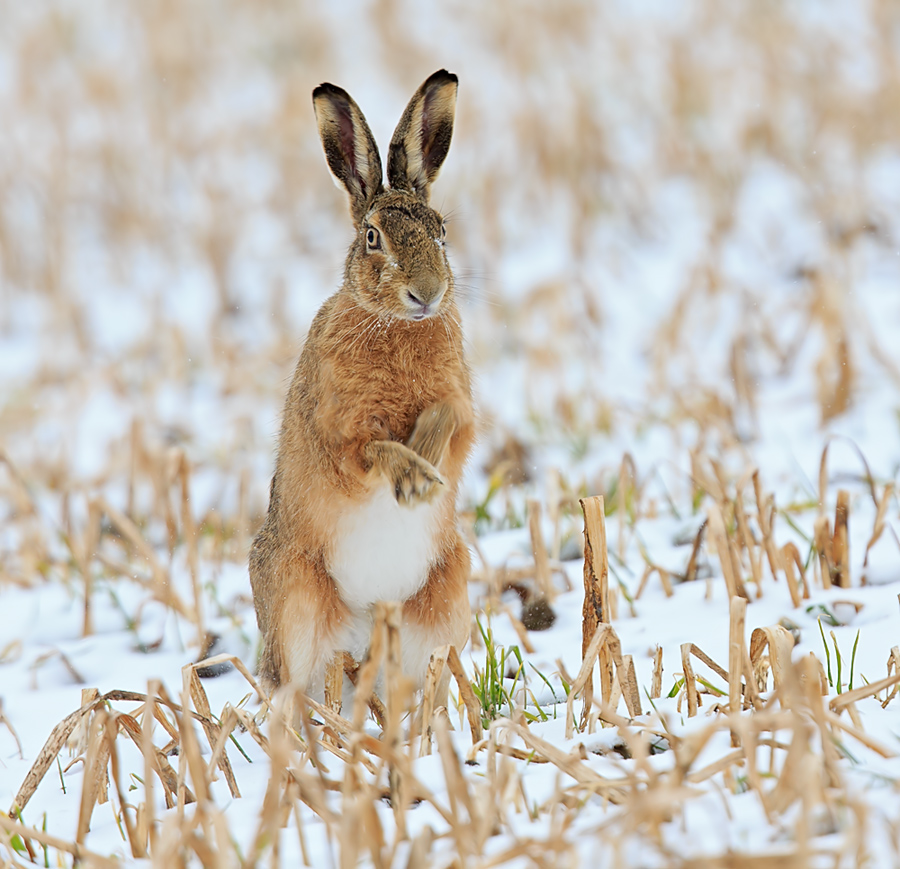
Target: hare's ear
<point x="422" y="137"/>
<point x="350" y="148"/>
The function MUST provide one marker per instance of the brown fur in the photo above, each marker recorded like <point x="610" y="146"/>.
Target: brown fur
<point x="378" y="398"/>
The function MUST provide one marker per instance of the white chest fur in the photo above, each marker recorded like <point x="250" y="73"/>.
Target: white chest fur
<point x="384" y="550"/>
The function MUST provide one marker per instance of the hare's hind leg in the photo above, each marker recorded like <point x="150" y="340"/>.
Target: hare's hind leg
<point x="263" y="582"/>
<point x="303" y="626"/>
<point x="438" y="614"/>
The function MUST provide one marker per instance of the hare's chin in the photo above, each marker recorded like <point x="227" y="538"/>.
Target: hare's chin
<point x="421" y="314"/>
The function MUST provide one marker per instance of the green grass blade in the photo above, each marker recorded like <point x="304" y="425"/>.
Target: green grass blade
<point x="853" y="661"/>
<point x="827" y="653"/>
<point x="837" y="654"/>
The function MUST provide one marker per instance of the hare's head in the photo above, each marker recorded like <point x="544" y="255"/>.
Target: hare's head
<point x="397" y="265"/>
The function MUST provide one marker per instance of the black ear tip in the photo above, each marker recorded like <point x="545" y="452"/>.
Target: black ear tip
<point x="327" y="89"/>
<point x="442" y="77"/>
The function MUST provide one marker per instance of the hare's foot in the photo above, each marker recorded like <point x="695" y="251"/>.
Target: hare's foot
<point x="413" y="478"/>
<point x="433" y="430"/>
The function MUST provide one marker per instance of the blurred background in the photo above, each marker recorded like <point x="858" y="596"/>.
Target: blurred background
<point x="676" y="228"/>
<point x="676" y="233"/>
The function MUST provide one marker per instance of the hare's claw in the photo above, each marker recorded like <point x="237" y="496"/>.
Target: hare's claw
<point x="418" y="481"/>
<point x="413" y="478"/>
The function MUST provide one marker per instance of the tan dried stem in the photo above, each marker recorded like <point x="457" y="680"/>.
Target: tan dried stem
<point x="539" y="550"/>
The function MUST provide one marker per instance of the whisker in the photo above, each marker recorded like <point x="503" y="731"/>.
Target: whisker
<point x="453" y="214"/>
<point x="471" y="292"/>
<point x="351" y="331"/>
<point x="357" y="331"/>
<point x="453" y="344"/>
<point x="366" y="332"/>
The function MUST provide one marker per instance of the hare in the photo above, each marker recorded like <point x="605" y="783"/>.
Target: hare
<point x="378" y="420"/>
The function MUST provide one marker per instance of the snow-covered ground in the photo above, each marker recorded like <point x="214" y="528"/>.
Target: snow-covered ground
<point x="677" y="239"/>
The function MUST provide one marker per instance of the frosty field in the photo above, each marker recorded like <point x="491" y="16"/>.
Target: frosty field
<point x="676" y="236"/>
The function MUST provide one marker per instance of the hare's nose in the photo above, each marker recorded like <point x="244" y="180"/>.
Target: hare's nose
<point x="427" y="291"/>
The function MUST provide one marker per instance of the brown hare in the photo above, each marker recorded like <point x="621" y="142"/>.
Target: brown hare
<point x="378" y="420"/>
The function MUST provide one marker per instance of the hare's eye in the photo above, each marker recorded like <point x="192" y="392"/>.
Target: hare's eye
<point x="443" y="231"/>
<point x="373" y="239"/>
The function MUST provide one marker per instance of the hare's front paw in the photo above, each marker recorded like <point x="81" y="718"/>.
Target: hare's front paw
<point x="433" y="430"/>
<point x="417" y="480"/>
<point x="413" y="478"/>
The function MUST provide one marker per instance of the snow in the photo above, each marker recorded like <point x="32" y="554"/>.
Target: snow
<point x="599" y="325"/>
